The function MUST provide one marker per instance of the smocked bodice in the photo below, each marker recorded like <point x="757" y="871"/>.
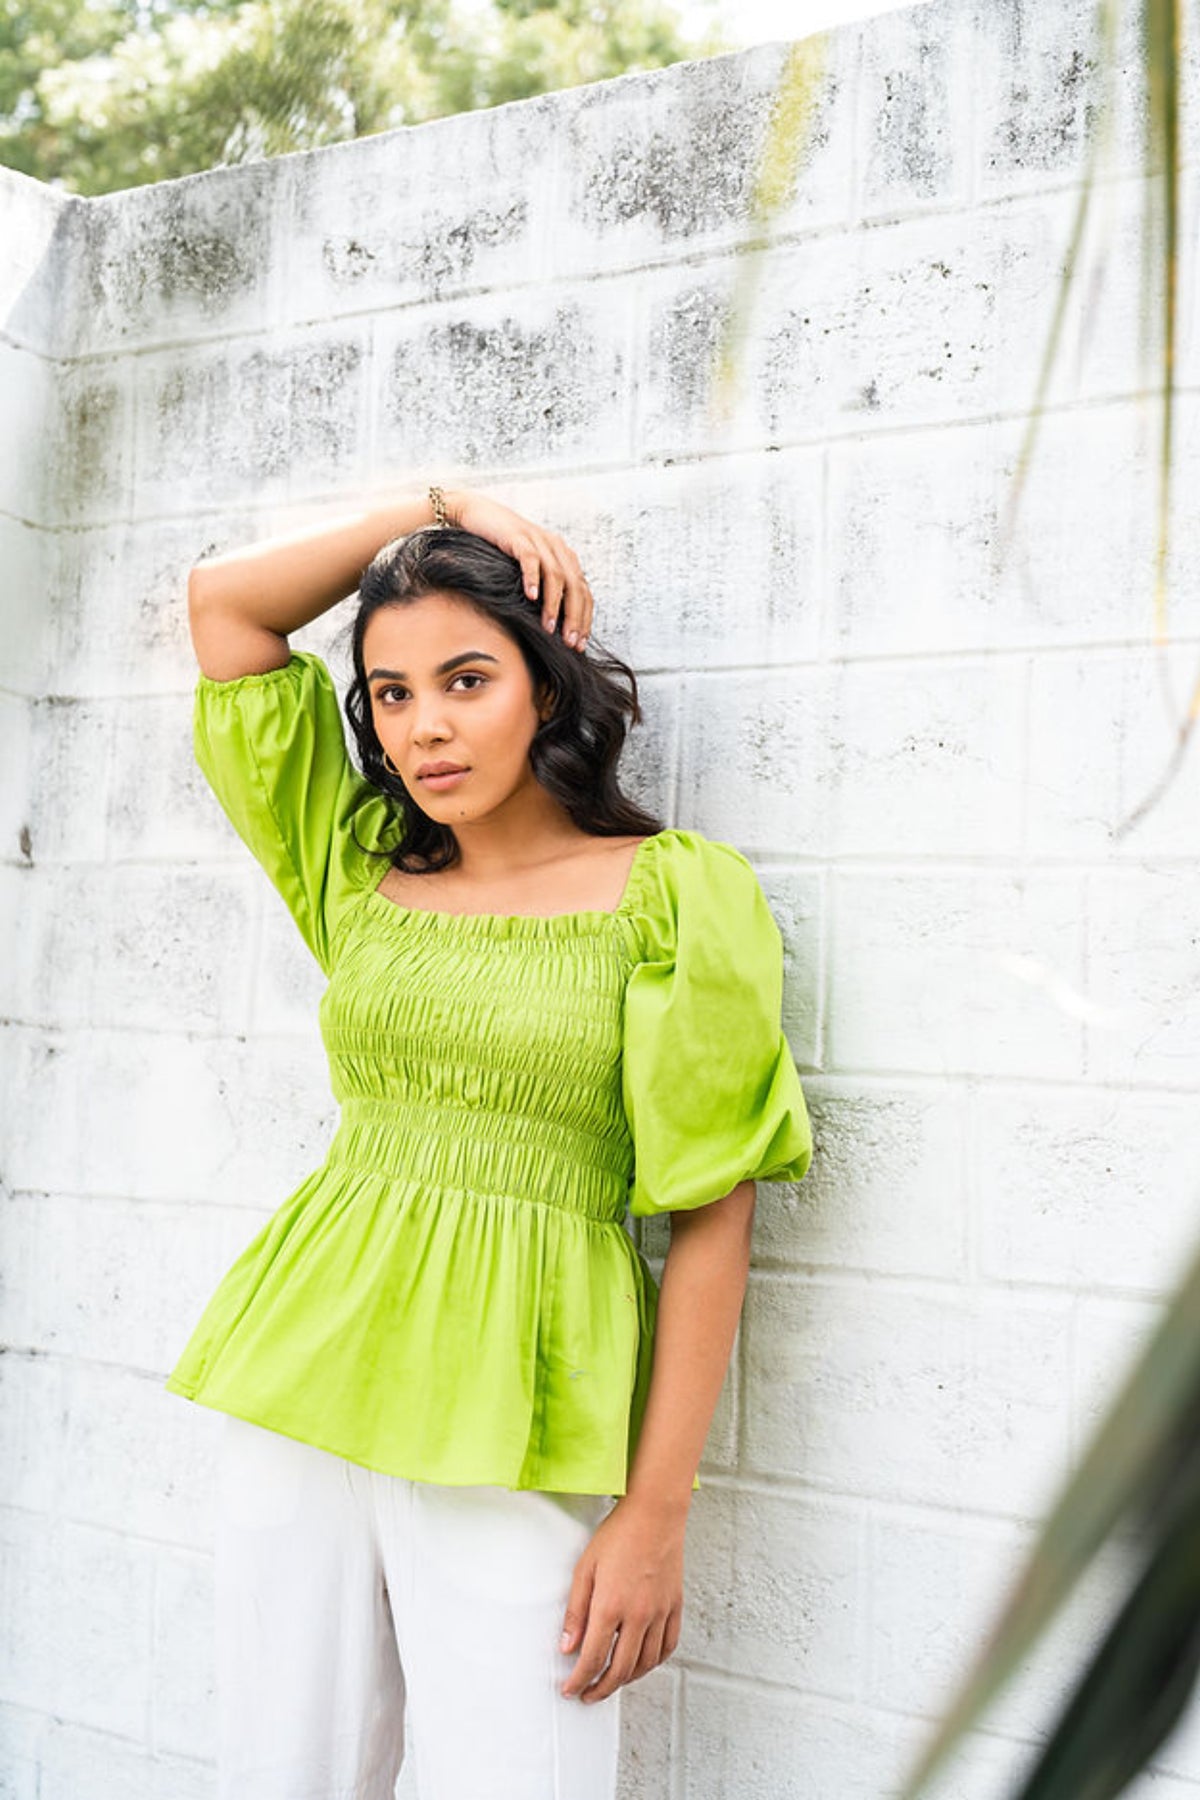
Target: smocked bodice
<point x="440" y="1077"/>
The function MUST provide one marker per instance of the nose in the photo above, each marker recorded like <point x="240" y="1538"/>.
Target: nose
<point x="426" y="723"/>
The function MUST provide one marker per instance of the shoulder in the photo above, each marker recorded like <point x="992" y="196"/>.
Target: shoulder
<point x="679" y="854"/>
<point x="693" y="886"/>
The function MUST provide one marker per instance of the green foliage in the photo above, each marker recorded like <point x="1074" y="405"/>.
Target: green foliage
<point x="111" y="94"/>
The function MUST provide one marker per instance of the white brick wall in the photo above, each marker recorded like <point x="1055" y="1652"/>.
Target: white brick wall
<point x="996" y="1003"/>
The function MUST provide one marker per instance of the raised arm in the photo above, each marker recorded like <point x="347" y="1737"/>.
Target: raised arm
<point x="243" y="605"/>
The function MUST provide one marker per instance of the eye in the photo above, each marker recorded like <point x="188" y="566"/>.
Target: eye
<point x="395" y="687"/>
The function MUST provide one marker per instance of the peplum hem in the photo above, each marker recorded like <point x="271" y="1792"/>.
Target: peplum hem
<point x="440" y="1334"/>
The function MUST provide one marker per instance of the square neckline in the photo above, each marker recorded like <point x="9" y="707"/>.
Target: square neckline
<point x="516" y="919"/>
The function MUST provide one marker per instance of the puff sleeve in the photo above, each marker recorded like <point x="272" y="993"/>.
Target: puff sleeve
<point x="272" y="749"/>
<point x="711" y="1092"/>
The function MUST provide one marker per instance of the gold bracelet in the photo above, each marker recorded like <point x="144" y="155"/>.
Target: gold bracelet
<point x="438" y="502"/>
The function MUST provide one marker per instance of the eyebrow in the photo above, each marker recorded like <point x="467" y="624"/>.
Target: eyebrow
<point x="444" y="668"/>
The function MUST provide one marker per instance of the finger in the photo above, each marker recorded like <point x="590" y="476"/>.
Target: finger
<point x="576" y="610"/>
<point x="625" y="1660"/>
<point x="554" y="584"/>
<point x="593" y="1655"/>
<point x="652" y="1650"/>
<point x="526" y="553"/>
<point x="576" y="1616"/>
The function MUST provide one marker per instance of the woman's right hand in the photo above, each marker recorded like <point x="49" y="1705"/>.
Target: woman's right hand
<point x="551" y="569"/>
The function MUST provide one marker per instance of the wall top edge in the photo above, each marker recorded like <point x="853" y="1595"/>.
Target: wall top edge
<point x="577" y="99"/>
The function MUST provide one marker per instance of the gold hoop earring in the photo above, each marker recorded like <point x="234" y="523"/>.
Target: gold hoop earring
<point x="389" y="765"/>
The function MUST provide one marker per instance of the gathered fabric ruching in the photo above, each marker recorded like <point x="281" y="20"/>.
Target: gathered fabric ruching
<point x="453" y="1295"/>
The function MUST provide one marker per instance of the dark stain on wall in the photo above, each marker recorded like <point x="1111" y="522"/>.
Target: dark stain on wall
<point x="86" y="462"/>
<point x="684" y="184"/>
<point x="449" y="250"/>
<point x="912" y="111"/>
<point x="697" y="174"/>
<point x="488" y="392"/>
<point x="1052" y="102"/>
<point x="207" y="244"/>
<point x="325" y="413"/>
<point x="683" y="351"/>
<point x="440" y="256"/>
<point x="250" y="416"/>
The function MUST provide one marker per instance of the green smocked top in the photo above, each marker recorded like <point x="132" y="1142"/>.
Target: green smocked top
<point x="453" y="1295"/>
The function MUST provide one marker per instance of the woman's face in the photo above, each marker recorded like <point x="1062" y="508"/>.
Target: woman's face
<point x="449" y="685"/>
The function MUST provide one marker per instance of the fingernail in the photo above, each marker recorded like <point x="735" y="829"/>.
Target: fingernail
<point x="564" y="1641"/>
<point x="571" y="636"/>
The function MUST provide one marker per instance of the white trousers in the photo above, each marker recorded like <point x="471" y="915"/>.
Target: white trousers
<point x="364" y="1618"/>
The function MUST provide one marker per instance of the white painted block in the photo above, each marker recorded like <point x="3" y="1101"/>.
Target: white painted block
<point x="414" y="215"/>
<point x="927" y="1394"/>
<point x="252" y="419"/>
<point x="1143" y="927"/>
<point x="648" y="1748"/>
<point x="722" y="563"/>
<point x="183" y="1697"/>
<point x="69" y="750"/>
<point x="1104" y="780"/>
<point x="887" y="1188"/>
<point x="29" y="382"/>
<point x="22" y="1733"/>
<point x="78" y="1762"/>
<point x="89" y="459"/>
<point x="78" y="1615"/>
<point x="180" y="261"/>
<point x="42" y="241"/>
<point x="796" y="898"/>
<point x="938" y="1587"/>
<point x="974" y="972"/>
<point x="774" y="1589"/>
<point x="124" y="627"/>
<point x="1036" y="82"/>
<point x="754" y="768"/>
<point x="108" y="1446"/>
<point x="1084" y="1190"/>
<point x="28" y="626"/>
<point x="130" y="953"/>
<point x="914" y="93"/>
<point x="769" y="1743"/>
<point x="530" y="379"/>
<point x="647" y="167"/>
<point x="915" y="535"/>
<point x="928" y="758"/>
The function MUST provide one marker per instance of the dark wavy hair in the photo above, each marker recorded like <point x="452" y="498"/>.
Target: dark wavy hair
<point x="574" y="751"/>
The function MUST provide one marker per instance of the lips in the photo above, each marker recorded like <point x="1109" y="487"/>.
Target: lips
<point x="442" y="768"/>
<point x="442" y="780"/>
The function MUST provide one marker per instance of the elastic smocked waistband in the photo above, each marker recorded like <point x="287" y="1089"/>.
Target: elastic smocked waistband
<point x="520" y="1157"/>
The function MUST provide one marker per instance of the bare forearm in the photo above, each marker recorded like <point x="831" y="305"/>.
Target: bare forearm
<point x="700" y="1301"/>
<point x="283" y="583"/>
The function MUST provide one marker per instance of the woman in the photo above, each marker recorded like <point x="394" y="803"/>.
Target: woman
<point x="462" y="1418"/>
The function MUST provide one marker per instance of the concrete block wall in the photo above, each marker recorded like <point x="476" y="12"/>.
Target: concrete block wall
<point x="995" y="1001"/>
